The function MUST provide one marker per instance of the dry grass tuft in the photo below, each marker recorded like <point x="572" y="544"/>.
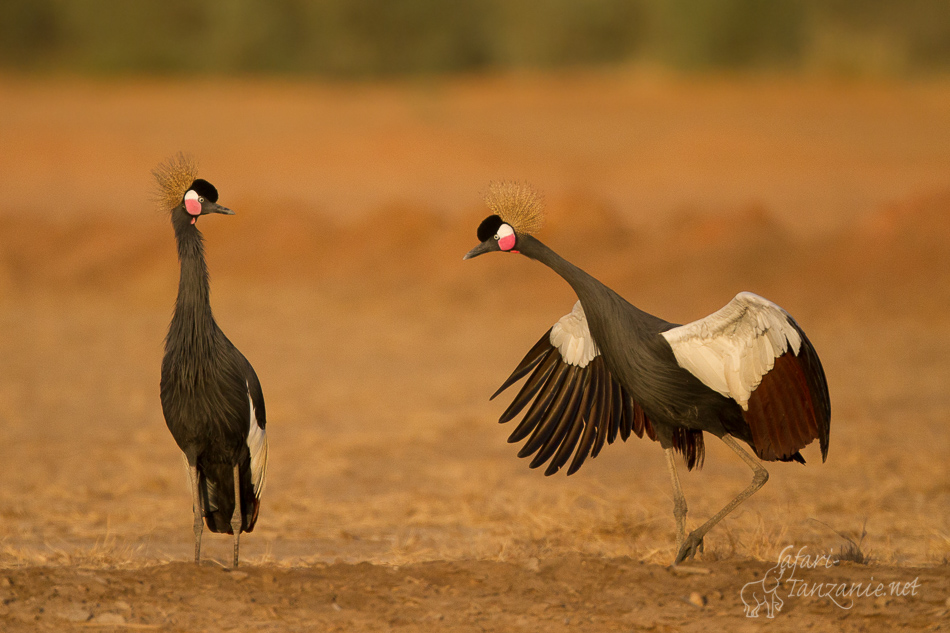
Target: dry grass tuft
<point x="763" y="541"/>
<point x="107" y="552"/>
<point x="852" y="551"/>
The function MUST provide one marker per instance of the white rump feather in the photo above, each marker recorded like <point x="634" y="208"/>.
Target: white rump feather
<point x="733" y="348"/>
<point x="571" y="336"/>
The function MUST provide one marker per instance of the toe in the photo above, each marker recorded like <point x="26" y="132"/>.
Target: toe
<point x="690" y="545"/>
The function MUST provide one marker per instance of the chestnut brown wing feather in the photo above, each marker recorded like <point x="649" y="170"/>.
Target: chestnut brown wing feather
<point x="791" y="408"/>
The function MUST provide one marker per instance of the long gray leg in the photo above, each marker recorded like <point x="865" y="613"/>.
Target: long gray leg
<point x="196" y="506"/>
<point x="237" y="516"/>
<point x="679" y="499"/>
<point x="695" y="539"/>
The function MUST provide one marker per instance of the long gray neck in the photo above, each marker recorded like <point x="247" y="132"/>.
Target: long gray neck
<point x="591" y="292"/>
<point x="586" y="287"/>
<point x="193" y="324"/>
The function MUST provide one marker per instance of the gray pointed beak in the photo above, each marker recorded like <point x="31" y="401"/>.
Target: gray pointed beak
<point x="217" y="208"/>
<point x="484" y="247"/>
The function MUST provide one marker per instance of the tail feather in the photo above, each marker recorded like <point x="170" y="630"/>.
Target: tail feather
<point x="216" y="486"/>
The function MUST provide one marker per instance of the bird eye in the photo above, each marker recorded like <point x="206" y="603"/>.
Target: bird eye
<point x="496" y="236"/>
<point x="201" y="200"/>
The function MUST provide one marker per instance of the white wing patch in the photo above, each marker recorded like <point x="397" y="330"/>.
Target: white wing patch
<point x="571" y="336"/>
<point x="733" y="348"/>
<point x="257" y="445"/>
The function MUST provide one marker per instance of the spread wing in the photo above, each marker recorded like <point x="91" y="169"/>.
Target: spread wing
<point x="575" y="402"/>
<point x="754" y="352"/>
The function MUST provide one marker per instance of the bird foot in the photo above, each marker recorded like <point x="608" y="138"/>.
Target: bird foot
<point x="689" y="547"/>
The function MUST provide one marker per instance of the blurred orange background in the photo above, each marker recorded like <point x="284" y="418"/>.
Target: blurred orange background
<point x="818" y="177"/>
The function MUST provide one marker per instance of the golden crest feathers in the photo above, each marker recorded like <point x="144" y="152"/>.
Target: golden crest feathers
<point x="518" y="204"/>
<point x="173" y="177"/>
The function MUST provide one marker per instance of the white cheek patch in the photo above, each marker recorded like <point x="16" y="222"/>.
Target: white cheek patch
<point x="192" y="206"/>
<point x="506" y="237"/>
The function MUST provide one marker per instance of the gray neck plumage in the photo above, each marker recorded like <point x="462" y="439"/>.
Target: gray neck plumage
<point x="193" y="323"/>
<point x="586" y="287"/>
<point x="591" y="292"/>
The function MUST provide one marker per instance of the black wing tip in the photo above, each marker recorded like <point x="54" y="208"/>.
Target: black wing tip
<point x="524" y="453"/>
<point x="543" y="371"/>
<point x="537" y="354"/>
<point x="575" y="466"/>
<point x="817" y="387"/>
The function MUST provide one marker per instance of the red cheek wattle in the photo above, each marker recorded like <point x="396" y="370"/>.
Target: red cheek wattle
<point x="506" y="243"/>
<point x="193" y="207"/>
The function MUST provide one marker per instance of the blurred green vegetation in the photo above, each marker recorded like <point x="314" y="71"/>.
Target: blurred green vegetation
<point x="358" y="38"/>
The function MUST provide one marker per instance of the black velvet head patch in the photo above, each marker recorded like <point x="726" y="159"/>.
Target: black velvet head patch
<point x="488" y="227"/>
<point x="205" y="189"/>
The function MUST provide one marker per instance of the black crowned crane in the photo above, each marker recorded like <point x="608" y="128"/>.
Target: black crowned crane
<point x="211" y="397"/>
<point x="746" y="372"/>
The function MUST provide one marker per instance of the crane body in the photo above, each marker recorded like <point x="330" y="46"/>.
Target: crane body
<point x="211" y="396"/>
<point x="746" y="372"/>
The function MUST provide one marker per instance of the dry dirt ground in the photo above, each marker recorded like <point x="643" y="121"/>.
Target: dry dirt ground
<point x="393" y="501"/>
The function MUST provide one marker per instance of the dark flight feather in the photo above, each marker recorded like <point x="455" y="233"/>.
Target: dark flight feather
<point x="534" y="356"/>
<point x="555" y="430"/>
<point x="575" y="428"/>
<point x="540" y="404"/>
<point x="574" y="410"/>
<point x="531" y="386"/>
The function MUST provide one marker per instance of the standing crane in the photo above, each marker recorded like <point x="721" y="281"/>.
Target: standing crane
<point x="746" y="372"/>
<point x="211" y="397"/>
